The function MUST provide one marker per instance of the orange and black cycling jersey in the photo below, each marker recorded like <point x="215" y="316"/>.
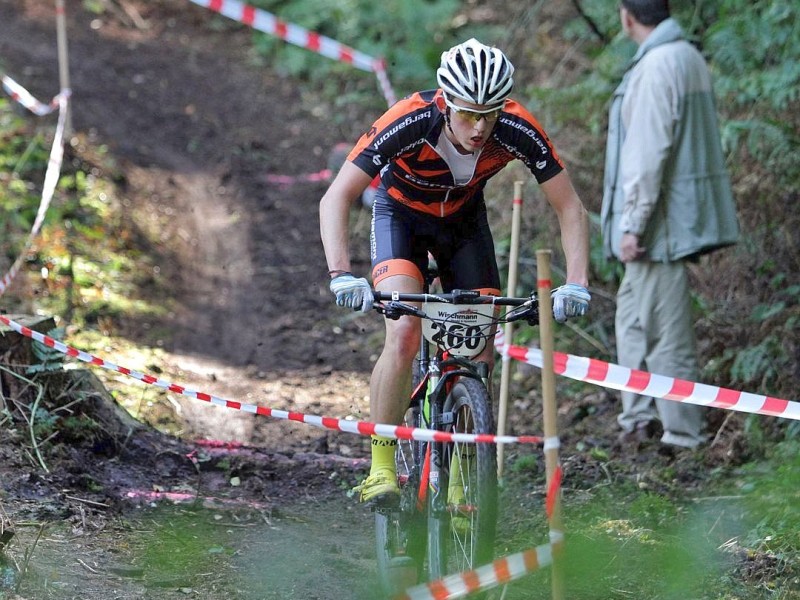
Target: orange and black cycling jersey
<point x="401" y="147"/>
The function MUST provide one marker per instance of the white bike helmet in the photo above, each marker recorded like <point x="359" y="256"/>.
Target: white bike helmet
<point x="476" y="73"/>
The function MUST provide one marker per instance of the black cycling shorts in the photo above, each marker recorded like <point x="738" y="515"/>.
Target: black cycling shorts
<point x="461" y="244"/>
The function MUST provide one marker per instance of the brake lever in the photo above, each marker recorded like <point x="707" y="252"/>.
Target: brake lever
<point x="529" y="312"/>
<point x="394" y="310"/>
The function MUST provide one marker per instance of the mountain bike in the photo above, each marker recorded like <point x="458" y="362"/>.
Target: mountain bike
<point x="445" y="519"/>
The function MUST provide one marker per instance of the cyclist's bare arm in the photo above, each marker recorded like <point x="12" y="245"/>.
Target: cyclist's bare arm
<point x="574" y="223"/>
<point x="334" y="212"/>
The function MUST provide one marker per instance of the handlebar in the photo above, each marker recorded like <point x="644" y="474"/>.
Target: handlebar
<point x="524" y="308"/>
<point x="454" y="297"/>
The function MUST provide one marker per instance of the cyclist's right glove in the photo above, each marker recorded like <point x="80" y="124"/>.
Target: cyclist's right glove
<point x="352" y="292"/>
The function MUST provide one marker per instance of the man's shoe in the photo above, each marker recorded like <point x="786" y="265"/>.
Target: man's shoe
<point x="643" y="433"/>
<point x="378" y="486"/>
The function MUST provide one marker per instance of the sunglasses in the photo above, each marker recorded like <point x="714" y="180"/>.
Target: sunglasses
<point x="474" y="116"/>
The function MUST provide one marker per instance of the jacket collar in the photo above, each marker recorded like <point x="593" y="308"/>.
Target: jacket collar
<point x="666" y="31"/>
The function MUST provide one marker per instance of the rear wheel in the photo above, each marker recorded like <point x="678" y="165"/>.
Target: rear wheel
<point x="462" y="537"/>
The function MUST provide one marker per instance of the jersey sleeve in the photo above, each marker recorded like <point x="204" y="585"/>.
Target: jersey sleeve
<point x="401" y="127"/>
<point x="525" y="138"/>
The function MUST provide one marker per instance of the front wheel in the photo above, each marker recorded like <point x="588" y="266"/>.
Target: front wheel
<point x="400" y="529"/>
<point x="462" y="538"/>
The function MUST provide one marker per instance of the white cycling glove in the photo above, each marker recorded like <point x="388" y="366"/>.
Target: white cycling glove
<point x="570" y="300"/>
<point x="352" y="292"/>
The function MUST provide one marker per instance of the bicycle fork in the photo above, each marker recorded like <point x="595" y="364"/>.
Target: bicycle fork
<point x="426" y="480"/>
<point x="433" y="482"/>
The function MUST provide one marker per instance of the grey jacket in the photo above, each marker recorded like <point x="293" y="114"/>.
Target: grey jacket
<point x="665" y="177"/>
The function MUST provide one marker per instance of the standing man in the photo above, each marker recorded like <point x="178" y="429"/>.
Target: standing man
<point x="666" y="200"/>
<point x="434" y="152"/>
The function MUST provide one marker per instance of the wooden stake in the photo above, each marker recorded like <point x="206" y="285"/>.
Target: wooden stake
<point x="505" y="374"/>
<point x="63" y="60"/>
<point x="544" y="285"/>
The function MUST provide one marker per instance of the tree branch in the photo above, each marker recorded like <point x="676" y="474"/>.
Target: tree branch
<point x="590" y="22"/>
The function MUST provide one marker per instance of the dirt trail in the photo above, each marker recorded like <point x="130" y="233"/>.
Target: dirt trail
<point x="193" y="125"/>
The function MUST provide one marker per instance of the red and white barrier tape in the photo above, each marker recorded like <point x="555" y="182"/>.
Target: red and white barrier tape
<point x="363" y="428"/>
<point x="266" y="22"/>
<point x="501" y="571"/>
<point x="658" y="386"/>
<point x="48" y="188"/>
<point x="553" y="492"/>
<point x="25" y="98"/>
<point x="323" y="175"/>
<point x="383" y="80"/>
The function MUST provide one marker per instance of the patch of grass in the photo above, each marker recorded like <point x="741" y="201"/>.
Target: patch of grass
<point x="771" y="500"/>
<point x="737" y="539"/>
<point x="527" y="463"/>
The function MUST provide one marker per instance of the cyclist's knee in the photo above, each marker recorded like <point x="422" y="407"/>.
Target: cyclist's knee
<point x="402" y="339"/>
<point x="487" y="356"/>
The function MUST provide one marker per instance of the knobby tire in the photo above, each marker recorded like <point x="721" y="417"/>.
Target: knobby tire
<point x="462" y="539"/>
<point x="399" y="530"/>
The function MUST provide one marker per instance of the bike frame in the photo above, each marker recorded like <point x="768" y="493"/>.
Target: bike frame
<point x="441" y="372"/>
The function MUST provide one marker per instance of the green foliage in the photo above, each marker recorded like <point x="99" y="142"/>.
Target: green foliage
<point x="50" y="359"/>
<point x="607" y="271"/>
<point x="580" y="104"/>
<point x="756" y="52"/>
<point x="526" y="463"/>
<point x="652" y="511"/>
<point x="85" y="271"/>
<point x="771" y="142"/>
<point x="97" y="7"/>
<point x="22" y="158"/>
<point x="70" y="428"/>
<point x="770" y="492"/>
<point x="754" y="49"/>
<point x="764" y="363"/>
<point x="45" y="423"/>
<point x="754" y="363"/>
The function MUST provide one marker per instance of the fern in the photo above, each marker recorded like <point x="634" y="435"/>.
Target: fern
<point x="754" y="49"/>
<point x="50" y="359"/>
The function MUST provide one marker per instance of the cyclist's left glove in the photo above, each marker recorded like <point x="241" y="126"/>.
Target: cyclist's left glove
<point x="570" y="300"/>
<point x="352" y="292"/>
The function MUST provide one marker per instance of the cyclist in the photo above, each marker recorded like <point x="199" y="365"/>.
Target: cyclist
<point x="434" y="151"/>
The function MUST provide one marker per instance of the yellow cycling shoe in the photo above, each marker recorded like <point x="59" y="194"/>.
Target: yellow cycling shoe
<point x="459" y="522"/>
<point x="460" y="525"/>
<point x="380" y="485"/>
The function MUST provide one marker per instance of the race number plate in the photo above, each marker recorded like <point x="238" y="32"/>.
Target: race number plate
<point x="460" y="329"/>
